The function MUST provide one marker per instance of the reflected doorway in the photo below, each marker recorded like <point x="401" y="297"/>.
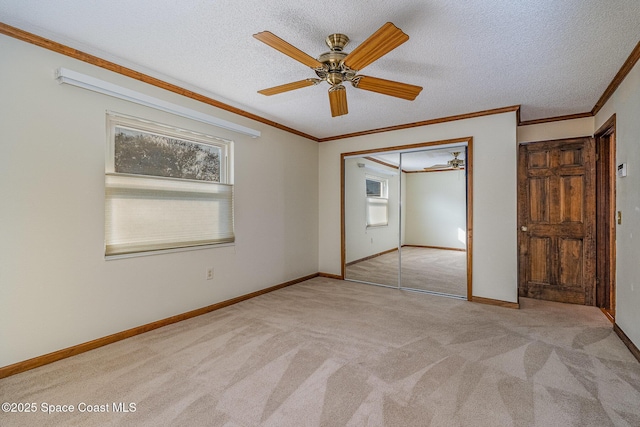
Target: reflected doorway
<point x="406" y="219"/>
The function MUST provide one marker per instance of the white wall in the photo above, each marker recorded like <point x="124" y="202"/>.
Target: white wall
<point x="625" y="104"/>
<point x="494" y="197"/>
<point x="56" y="289"/>
<point x="436" y="209"/>
<point x="360" y="241"/>
<point x="556" y="130"/>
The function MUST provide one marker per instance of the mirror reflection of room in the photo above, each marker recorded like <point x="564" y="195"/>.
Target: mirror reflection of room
<point x="435" y="208"/>
<point x="372" y="220"/>
<point x="405" y="219"/>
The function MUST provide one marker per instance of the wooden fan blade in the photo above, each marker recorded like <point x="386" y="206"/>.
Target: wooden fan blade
<point x="387" y="87"/>
<point x="278" y="44"/>
<point x="338" y="101"/>
<point x="437" y="167"/>
<point x="287" y="87"/>
<point x="383" y="41"/>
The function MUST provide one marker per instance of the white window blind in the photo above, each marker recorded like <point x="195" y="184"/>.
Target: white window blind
<point x="151" y="213"/>
<point x="165" y="187"/>
<point x="377" y="211"/>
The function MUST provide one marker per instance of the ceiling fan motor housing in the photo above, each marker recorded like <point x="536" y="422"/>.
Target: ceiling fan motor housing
<point x="333" y="70"/>
<point x="456" y="162"/>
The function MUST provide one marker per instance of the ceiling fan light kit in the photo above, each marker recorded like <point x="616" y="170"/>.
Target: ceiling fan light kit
<point x="454" y="163"/>
<point x="336" y="67"/>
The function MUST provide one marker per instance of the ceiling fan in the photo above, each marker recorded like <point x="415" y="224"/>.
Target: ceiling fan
<point x="454" y="163"/>
<point x="336" y="67"/>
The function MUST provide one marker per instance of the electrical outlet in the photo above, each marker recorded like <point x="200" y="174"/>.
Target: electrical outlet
<point x="209" y="273"/>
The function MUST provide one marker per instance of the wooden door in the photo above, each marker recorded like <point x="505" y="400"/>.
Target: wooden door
<point x="556" y="209"/>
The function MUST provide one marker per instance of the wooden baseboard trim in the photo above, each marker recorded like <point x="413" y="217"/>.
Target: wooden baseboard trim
<point x="496" y="302"/>
<point x="608" y="315"/>
<point x="36" y="362"/>
<point x="371" y="256"/>
<point x="435" y="247"/>
<point x="331" y="276"/>
<point x="627" y="341"/>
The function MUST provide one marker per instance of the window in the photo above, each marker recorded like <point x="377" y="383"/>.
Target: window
<point x="374" y="188"/>
<point x="165" y="188"/>
<point x="377" y="201"/>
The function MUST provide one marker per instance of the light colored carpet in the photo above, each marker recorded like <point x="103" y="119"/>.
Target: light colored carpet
<point x="425" y="269"/>
<point x="333" y="353"/>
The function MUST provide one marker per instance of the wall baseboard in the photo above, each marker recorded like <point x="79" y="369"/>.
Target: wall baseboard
<point x="627" y="341"/>
<point x="435" y="247"/>
<point x="496" y="302"/>
<point x="608" y="315"/>
<point x="36" y="362"/>
<point x="331" y="276"/>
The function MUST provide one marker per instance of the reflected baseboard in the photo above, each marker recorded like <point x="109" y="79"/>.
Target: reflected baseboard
<point x="371" y="256"/>
<point x="435" y="247"/>
<point x="370" y="283"/>
<point x="440" y="294"/>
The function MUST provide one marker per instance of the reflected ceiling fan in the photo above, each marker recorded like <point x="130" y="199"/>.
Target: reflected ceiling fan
<point x="337" y="67"/>
<point x="454" y="163"/>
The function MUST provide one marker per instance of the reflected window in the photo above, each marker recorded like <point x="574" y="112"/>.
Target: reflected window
<point x="377" y="201"/>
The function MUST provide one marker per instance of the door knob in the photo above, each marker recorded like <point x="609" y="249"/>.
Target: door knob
<point x="523" y="228"/>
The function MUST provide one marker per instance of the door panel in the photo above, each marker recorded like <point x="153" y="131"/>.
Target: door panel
<point x="539" y="159"/>
<point x="571" y="157"/>
<point x="540" y="259"/>
<point x="570" y="252"/>
<point x="556" y="205"/>
<point x="571" y="197"/>
<point x="539" y="200"/>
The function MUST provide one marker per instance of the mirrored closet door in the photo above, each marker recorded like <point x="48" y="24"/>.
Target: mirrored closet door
<point x="406" y="218"/>
<point x="433" y="253"/>
<point x="372" y="219"/>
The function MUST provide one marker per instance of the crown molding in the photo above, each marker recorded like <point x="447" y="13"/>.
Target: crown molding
<point x="613" y="86"/>
<point x="515" y="108"/>
<point x="617" y="80"/>
<point x="25" y="36"/>
<point x="555" y="119"/>
<point x="111" y="66"/>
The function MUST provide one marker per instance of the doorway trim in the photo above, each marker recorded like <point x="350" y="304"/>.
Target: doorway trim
<point x="605" y="140"/>
<point x="469" y="177"/>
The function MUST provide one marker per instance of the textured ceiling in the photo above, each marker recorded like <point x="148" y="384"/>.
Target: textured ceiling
<point x="551" y="57"/>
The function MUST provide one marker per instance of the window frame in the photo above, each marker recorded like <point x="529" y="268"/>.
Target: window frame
<point x="117" y="120"/>
<point x="134" y="123"/>
<point x="383" y="198"/>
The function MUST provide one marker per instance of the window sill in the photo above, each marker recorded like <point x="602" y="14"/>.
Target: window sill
<point x="166" y="251"/>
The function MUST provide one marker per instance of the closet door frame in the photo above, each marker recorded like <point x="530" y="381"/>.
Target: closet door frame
<point x="412" y="147"/>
